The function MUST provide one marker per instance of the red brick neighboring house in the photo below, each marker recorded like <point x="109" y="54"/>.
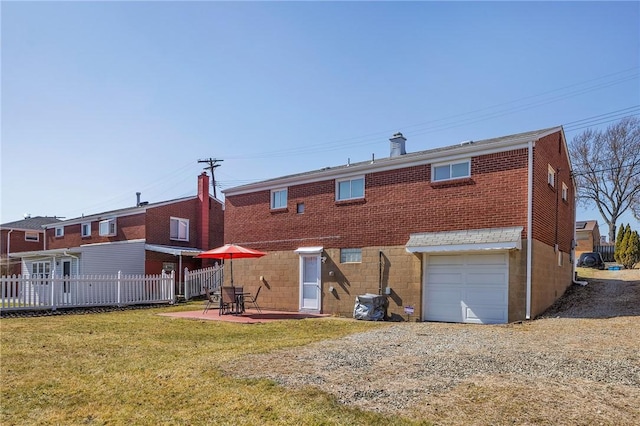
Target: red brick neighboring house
<point x="477" y="232"/>
<point x="587" y="236"/>
<point x="21" y="235"/>
<point x="144" y="239"/>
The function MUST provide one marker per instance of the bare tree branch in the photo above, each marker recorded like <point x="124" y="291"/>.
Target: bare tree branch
<point x="607" y="170"/>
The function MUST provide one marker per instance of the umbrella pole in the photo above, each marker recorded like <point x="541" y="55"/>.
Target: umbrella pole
<point x="231" y="264"/>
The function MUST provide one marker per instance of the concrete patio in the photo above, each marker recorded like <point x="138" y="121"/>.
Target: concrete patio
<point x="250" y="316"/>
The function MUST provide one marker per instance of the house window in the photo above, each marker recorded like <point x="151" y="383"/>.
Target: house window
<point x="31" y="236"/>
<point x="348" y="189"/>
<point x="59" y="231"/>
<point x="40" y="271"/>
<point x="350" y="255"/>
<point x="279" y="198"/>
<point x="179" y="229"/>
<point x="107" y="227"/>
<point x="448" y="171"/>
<point x="551" y="176"/>
<point x="565" y="192"/>
<point x="85" y="229"/>
<point x="300" y="208"/>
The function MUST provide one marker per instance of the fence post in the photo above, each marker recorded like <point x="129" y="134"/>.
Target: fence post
<point x="53" y="293"/>
<point x="185" y="282"/>
<point x="119" y="277"/>
<point x="172" y="287"/>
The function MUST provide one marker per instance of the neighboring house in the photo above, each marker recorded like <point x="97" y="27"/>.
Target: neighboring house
<point x="22" y="235"/>
<point x="587" y="236"/>
<point x="476" y="232"/>
<point x="144" y="239"/>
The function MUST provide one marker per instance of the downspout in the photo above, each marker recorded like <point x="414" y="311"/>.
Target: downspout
<point x="529" y="228"/>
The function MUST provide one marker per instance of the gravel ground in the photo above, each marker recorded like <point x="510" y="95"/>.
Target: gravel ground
<point x="577" y="364"/>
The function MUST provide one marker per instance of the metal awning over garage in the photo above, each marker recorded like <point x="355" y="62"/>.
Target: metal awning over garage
<point x="176" y="251"/>
<point x="467" y="240"/>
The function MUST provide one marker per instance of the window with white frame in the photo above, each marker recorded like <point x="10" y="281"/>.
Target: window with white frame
<point x="41" y="271"/>
<point x="350" y="255"/>
<point x="565" y="192"/>
<point x="179" y="229"/>
<point x="31" y="236"/>
<point x="107" y="227"/>
<point x="551" y="176"/>
<point x="279" y="198"/>
<point x="451" y="170"/>
<point x="347" y="189"/>
<point x="85" y="229"/>
<point x="59" y="231"/>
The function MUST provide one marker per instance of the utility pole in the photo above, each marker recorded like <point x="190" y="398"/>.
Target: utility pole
<point x="212" y="162"/>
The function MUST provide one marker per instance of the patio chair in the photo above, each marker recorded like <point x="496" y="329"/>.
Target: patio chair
<point x="253" y="299"/>
<point x="210" y="299"/>
<point x="227" y="300"/>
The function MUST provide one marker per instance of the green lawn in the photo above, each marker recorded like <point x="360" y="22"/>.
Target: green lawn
<point x="135" y="367"/>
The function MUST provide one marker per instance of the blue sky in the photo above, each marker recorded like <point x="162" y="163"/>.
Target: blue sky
<point x="104" y="99"/>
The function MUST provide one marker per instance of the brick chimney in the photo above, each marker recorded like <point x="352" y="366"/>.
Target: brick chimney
<point x="203" y="204"/>
<point x="397" y="145"/>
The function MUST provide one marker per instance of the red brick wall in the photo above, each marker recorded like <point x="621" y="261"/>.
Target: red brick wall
<point x="127" y="228"/>
<point x="553" y="218"/>
<point x="157" y="222"/>
<point x="397" y="203"/>
<point x="17" y="244"/>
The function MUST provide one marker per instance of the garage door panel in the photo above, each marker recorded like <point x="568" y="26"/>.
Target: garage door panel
<point x="486" y="259"/>
<point x="446" y="260"/>
<point x="469" y="288"/>
<point x="445" y="278"/>
<point x="485" y="296"/>
<point x="485" y="315"/>
<point x="495" y="279"/>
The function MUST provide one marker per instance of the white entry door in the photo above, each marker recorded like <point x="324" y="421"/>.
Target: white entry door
<point x="310" y="280"/>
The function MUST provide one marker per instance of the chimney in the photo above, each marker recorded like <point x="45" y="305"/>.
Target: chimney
<point x="138" y="199"/>
<point x="397" y="145"/>
<point x="203" y="202"/>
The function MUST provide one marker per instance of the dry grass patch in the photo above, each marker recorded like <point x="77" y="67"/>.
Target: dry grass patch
<point x="140" y="368"/>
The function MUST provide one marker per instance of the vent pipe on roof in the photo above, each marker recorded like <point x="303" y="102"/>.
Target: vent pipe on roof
<point x="397" y="145"/>
<point x="138" y="199"/>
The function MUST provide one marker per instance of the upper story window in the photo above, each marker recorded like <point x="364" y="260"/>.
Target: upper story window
<point x="565" y="192"/>
<point x="350" y="255"/>
<point x="279" y="198"/>
<point x="551" y="176"/>
<point x="179" y="229"/>
<point x="85" y="229"/>
<point x="452" y="170"/>
<point x="59" y="231"/>
<point x="31" y="236"/>
<point x="107" y="227"/>
<point x="348" y="189"/>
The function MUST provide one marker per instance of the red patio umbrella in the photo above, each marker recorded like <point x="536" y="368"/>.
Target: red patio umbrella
<point x="230" y="251"/>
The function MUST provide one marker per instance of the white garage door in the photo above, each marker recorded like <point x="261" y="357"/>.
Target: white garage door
<point x="472" y="288"/>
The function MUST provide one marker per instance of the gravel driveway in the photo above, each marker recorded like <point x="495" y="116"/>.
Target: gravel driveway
<point x="577" y="364"/>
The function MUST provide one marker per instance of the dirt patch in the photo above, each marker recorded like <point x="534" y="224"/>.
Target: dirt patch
<point x="577" y="364"/>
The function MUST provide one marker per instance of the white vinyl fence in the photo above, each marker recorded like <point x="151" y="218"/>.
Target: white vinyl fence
<point x="41" y="292"/>
<point x="196" y="281"/>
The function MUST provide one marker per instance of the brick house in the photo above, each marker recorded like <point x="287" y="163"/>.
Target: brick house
<point x="587" y="236"/>
<point x="21" y="235"/>
<point x="144" y="239"/>
<point x="476" y="232"/>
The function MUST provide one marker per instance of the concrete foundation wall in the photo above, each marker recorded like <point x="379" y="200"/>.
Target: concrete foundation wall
<point x="548" y="280"/>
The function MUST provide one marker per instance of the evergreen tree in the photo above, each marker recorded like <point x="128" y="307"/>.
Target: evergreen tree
<point x="617" y="253"/>
<point x="633" y="250"/>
